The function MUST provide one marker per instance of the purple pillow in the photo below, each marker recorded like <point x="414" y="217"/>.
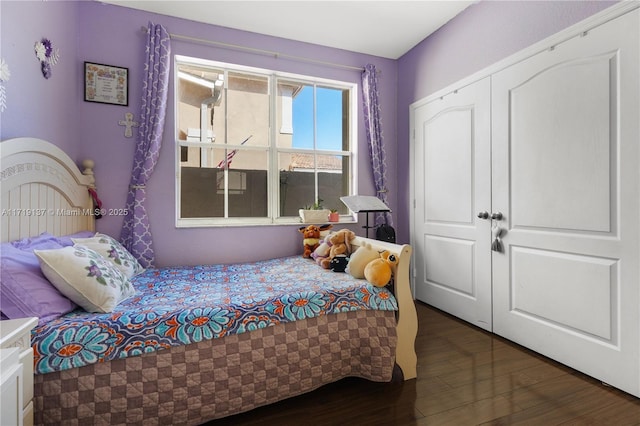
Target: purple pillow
<point x="67" y="242"/>
<point x="34" y="242"/>
<point x="24" y="290"/>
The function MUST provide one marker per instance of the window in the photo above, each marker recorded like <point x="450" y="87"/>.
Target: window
<point x="255" y="146"/>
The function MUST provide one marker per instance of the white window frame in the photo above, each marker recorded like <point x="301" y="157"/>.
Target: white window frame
<point x="273" y="196"/>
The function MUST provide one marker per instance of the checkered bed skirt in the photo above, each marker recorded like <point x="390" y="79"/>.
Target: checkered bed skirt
<point x="220" y="377"/>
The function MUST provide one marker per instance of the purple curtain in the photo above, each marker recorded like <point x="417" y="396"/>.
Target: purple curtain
<point x="374" y="138"/>
<point x="136" y="233"/>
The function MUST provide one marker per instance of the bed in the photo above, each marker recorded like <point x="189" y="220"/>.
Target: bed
<point x="153" y="364"/>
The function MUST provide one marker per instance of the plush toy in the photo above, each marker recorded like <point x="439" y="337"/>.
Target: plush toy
<point x="339" y="263"/>
<point x="378" y="271"/>
<point x="359" y="260"/>
<point x="334" y="244"/>
<point x="321" y="253"/>
<point x="311" y="237"/>
<point x="341" y="243"/>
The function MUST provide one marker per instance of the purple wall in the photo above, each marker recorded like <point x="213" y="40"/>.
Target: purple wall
<point x="38" y="107"/>
<point x="90" y="31"/>
<point x="112" y="35"/>
<point x="480" y="36"/>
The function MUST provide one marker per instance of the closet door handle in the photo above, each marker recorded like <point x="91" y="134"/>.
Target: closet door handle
<point x="483" y="215"/>
<point x="496" y="216"/>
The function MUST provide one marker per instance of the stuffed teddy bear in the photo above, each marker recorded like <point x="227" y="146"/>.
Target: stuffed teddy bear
<point x="378" y="272"/>
<point x="341" y="243"/>
<point x="359" y="260"/>
<point x="311" y="237"/>
<point x="334" y="244"/>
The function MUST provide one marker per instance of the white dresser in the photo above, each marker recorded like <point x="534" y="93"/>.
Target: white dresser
<point x="16" y="367"/>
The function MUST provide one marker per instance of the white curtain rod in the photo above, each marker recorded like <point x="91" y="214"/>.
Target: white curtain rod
<point x="276" y="55"/>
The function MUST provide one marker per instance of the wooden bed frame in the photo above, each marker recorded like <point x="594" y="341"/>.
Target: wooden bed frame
<point x="43" y="190"/>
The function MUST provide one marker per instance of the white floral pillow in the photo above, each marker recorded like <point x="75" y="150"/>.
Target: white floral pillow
<point x="85" y="277"/>
<point x="114" y="251"/>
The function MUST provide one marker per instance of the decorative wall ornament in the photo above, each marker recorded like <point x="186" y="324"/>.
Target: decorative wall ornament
<point x="5" y="74"/>
<point x="106" y="84"/>
<point x="128" y="123"/>
<point x="47" y="55"/>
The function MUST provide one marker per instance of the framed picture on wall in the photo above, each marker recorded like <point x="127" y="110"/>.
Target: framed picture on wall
<point x="106" y="84"/>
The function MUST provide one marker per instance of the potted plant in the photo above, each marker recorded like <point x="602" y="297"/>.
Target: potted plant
<point x="314" y="213"/>
<point x="334" y="216"/>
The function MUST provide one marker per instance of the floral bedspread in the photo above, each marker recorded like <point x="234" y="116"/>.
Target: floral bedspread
<point x="179" y="306"/>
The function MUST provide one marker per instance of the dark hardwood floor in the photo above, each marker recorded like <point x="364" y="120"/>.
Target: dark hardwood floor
<point x="465" y="377"/>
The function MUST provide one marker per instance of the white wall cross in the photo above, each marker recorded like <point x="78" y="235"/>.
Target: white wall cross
<point x="129" y="123"/>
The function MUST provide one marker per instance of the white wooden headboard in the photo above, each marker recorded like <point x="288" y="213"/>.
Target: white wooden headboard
<point x="42" y="190"/>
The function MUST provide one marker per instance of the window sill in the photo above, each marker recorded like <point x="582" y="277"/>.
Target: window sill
<point x="219" y="223"/>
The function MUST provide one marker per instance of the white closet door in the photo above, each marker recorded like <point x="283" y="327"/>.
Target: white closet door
<point x="452" y="184"/>
<point x="565" y="175"/>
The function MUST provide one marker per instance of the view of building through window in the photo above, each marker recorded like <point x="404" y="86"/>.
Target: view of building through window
<point x="256" y="147"/>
